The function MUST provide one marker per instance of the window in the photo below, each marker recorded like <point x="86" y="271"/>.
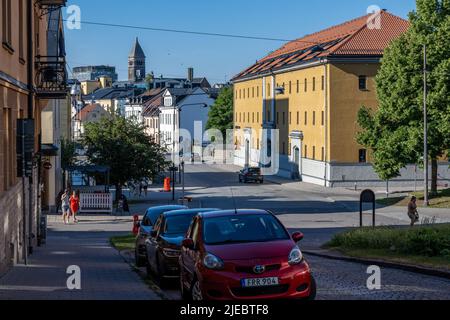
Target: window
<point x="298" y="86"/>
<point x="323" y="83"/>
<point x="306" y="118"/>
<point x="248" y="116"/>
<point x="306" y="151"/>
<point x="240" y="117"/>
<point x="248" y="93"/>
<point x="7" y="25"/>
<point x="257" y="117"/>
<point x="323" y="118"/>
<point x="323" y="154"/>
<point x="278" y="118"/>
<point x="284" y="118"/>
<point x="253" y="92"/>
<point x="290" y="87"/>
<point x="314" y="83"/>
<point x="298" y="118"/>
<point x="314" y="153"/>
<point x="362" y="156"/>
<point x="21" y="31"/>
<point x="290" y="118"/>
<point x="306" y="85"/>
<point x="253" y="117"/>
<point x="257" y="144"/>
<point x="362" y="82"/>
<point x="314" y="118"/>
<point x="268" y="90"/>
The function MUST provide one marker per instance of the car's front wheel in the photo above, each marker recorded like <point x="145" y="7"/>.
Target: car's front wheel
<point x="140" y="261"/>
<point x="313" y="291"/>
<point x="196" y="291"/>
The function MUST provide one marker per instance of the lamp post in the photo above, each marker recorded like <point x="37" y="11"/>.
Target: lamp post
<point x="179" y="109"/>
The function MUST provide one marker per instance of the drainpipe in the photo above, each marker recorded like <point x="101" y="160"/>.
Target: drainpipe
<point x="326" y="120"/>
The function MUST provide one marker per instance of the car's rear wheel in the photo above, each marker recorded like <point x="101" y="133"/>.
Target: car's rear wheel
<point x="196" y="291"/>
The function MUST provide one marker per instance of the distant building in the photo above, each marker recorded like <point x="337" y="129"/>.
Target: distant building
<point x="134" y="108"/>
<point x="90" y="73"/>
<point x="136" y="63"/>
<point x="89" y="114"/>
<point x="112" y="98"/>
<point x="187" y="108"/>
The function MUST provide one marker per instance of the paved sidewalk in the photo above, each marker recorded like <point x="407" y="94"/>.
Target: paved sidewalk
<point x="104" y="274"/>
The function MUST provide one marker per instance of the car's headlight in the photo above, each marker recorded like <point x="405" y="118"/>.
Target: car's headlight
<point x="170" y="253"/>
<point x="296" y="256"/>
<point x="212" y="262"/>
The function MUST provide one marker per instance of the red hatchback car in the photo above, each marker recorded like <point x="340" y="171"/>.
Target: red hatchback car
<point x="243" y="255"/>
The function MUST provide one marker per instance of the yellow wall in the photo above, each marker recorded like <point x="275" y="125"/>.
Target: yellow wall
<point x="345" y="101"/>
<point x="335" y="106"/>
<point x="290" y="103"/>
<point x="87" y="87"/>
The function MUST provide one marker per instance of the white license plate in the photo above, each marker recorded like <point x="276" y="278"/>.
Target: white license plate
<point x="259" y="282"/>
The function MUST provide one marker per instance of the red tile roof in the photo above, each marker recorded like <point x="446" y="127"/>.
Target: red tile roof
<point x="82" y="115"/>
<point x="352" y="38"/>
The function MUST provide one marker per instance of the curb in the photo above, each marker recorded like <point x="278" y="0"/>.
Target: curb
<point x="381" y="263"/>
<point x="143" y="276"/>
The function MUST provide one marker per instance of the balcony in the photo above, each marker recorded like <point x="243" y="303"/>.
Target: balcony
<point x="51" y="77"/>
<point x="51" y="3"/>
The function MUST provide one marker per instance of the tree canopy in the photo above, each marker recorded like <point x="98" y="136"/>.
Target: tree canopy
<point x="221" y="113"/>
<point x="394" y="132"/>
<point x="123" y="145"/>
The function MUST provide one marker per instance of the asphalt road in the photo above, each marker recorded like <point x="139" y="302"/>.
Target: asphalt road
<point x="318" y="213"/>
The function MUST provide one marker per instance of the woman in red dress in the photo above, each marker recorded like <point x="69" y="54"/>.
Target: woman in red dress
<point x="75" y="205"/>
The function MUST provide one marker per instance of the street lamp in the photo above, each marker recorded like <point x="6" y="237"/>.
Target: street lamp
<point x="173" y="169"/>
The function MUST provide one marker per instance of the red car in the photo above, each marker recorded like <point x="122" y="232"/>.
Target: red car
<point x="243" y="255"/>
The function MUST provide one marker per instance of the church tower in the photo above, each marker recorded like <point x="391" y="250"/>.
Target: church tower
<point x="136" y="63"/>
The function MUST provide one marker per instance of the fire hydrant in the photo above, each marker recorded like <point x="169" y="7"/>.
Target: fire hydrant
<point x="136" y="225"/>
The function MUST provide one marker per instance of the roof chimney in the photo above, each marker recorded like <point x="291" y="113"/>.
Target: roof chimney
<point x="190" y="76"/>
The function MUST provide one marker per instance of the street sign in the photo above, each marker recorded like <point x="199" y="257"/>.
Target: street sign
<point x="367" y="196"/>
<point x="25" y="147"/>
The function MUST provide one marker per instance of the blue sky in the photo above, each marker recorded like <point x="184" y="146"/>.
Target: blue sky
<point x="217" y="58"/>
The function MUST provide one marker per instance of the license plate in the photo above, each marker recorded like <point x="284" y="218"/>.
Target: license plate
<point x="259" y="282"/>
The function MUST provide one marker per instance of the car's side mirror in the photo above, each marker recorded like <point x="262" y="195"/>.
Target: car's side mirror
<point x="188" y="244"/>
<point x="298" y="236"/>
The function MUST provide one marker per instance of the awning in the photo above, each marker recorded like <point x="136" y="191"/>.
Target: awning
<point x="49" y="150"/>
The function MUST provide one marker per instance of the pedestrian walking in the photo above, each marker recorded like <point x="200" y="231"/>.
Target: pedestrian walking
<point x="413" y="214"/>
<point x="145" y="184"/>
<point x="75" y="205"/>
<point x="125" y="206"/>
<point x="65" y="205"/>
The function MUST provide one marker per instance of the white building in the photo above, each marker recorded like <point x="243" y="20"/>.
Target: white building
<point x="188" y="109"/>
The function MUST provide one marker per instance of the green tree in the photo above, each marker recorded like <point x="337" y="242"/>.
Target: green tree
<point x="68" y="156"/>
<point x="123" y="145"/>
<point x="394" y="132"/>
<point x="221" y="113"/>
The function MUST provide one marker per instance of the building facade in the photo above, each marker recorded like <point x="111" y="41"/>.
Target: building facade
<point x="93" y="73"/>
<point x="310" y="92"/>
<point x="32" y="75"/>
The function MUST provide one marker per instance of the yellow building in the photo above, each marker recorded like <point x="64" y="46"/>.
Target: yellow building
<point x="41" y="69"/>
<point x="310" y="91"/>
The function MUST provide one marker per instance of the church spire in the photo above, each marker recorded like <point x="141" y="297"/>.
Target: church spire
<point x="136" y="63"/>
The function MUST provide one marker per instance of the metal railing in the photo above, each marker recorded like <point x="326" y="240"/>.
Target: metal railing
<point x="51" y="77"/>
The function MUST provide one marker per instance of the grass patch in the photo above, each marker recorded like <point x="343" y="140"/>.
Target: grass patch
<point x="123" y="242"/>
<point x="440" y="200"/>
<point x="425" y="245"/>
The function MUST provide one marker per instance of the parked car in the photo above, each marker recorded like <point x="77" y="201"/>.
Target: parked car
<point x="163" y="247"/>
<point x="251" y="174"/>
<point x="145" y="228"/>
<point x="241" y="255"/>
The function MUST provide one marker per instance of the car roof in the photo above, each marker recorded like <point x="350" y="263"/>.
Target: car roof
<point x="240" y="212"/>
<point x="167" y="208"/>
<point x="188" y="211"/>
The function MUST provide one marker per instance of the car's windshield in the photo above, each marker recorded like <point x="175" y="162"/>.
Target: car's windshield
<point x="243" y="229"/>
<point x="178" y="225"/>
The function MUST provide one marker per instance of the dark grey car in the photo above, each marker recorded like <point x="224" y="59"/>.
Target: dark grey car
<point x="146" y="227"/>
